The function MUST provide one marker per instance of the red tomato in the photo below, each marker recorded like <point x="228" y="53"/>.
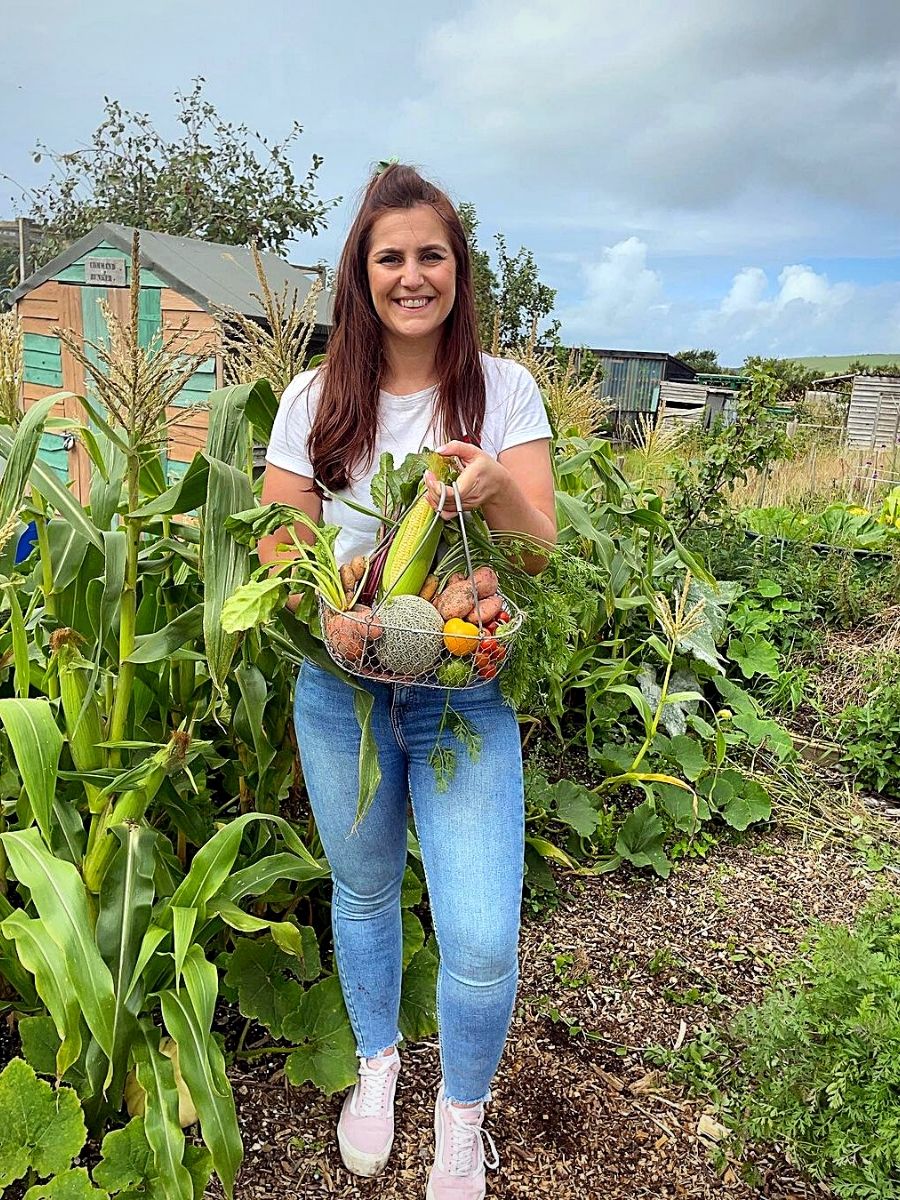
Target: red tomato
<point x="492" y="628"/>
<point x="482" y="660"/>
<point x="488" y="671"/>
<point x="503" y="616"/>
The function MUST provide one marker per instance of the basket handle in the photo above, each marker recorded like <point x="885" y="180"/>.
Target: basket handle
<point x="465" y="544"/>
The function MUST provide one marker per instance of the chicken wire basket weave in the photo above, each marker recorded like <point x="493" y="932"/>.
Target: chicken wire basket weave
<point x="403" y="638"/>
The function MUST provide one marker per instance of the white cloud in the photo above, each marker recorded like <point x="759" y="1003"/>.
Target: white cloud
<point x="621" y="293"/>
<point x="624" y="301"/>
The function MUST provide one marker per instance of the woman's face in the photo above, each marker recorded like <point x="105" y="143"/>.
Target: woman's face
<point x="412" y="272"/>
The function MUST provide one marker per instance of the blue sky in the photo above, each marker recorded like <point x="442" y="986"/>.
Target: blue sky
<point x="709" y="173"/>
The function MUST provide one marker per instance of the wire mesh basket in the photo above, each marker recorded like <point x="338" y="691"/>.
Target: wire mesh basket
<point x="404" y="639"/>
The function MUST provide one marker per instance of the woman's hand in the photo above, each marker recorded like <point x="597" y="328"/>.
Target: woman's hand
<point x="480" y="480"/>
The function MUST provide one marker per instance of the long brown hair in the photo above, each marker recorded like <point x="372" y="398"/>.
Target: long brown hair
<point x="342" y="438"/>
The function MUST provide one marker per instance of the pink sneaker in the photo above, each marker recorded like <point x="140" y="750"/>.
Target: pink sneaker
<point x="459" y="1162"/>
<point x="366" y="1128"/>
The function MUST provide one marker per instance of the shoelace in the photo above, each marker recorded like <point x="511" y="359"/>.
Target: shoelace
<point x="465" y="1142"/>
<point x="368" y="1099"/>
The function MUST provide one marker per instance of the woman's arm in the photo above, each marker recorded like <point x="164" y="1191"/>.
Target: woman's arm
<point x="515" y="492"/>
<point x="284" y="487"/>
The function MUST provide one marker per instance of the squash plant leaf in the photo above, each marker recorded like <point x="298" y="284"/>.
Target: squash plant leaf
<point x="326" y="1048"/>
<point x="641" y="840"/>
<point x="42" y="1128"/>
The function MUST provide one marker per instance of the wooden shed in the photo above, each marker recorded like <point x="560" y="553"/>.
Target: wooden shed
<point x="184" y="282"/>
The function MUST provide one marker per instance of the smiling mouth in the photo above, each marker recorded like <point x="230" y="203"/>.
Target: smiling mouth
<point x="416" y="304"/>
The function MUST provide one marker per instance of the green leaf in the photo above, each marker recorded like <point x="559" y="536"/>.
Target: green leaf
<point x="411" y="891"/>
<point x="188" y="1017"/>
<point x="768" y="588"/>
<point x="127" y="1165"/>
<point x="40" y="1043"/>
<point x="688" y="753"/>
<point x="413" y="936"/>
<point x="36" y="744"/>
<point x="264" y="977"/>
<point x="126" y="900"/>
<point x="575" y="513"/>
<point x="158" y="646"/>
<point x="47" y="963"/>
<point x="162" y="1128"/>
<point x="326" y="1047"/>
<point x="42" y="1128"/>
<point x="254" y="694"/>
<point x="369" y="766"/>
<point x="418" y="996"/>
<point x="253" y="604"/>
<point x="19" y="451"/>
<point x="641" y="840"/>
<point x="749" y="804"/>
<point x="686" y="810"/>
<point x="61" y="899"/>
<point x="576" y="807"/>
<point x="225" y="563"/>
<point x="74" y="1184"/>
<point x="126" y="1159"/>
<point x="754" y="655"/>
<point x="21" y="660"/>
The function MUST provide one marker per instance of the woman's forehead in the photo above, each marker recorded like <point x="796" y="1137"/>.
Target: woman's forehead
<point x="408" y="228"/>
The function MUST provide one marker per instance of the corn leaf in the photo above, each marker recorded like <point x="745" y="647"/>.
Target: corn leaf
<point x="160" y="645"/>
<point x="254" y="694"/>
<point x="20" y="450"/>
<point x="43" y="958"/>
<point x="45" y="481"/>
<point x="369" y="766"/>
<point x="36" y="743"/>
<point x="21" y="662"/>
<point x="225" y="563"/>
<point x="188" y="1017"/>
<point x="163" y="1131"/>
<point x="59" y="895"/>
<point x="126" y="901"/>
<point x="184" y="921"/>
<point x="261" y="875"/>
<point x="114" y="551"/>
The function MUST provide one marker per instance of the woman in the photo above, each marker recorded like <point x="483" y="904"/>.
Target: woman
<point x="404" y="370"/>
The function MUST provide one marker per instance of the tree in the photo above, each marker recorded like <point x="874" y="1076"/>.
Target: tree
<point x="216" y="180"/>
<point x="702" y="361"/>
<point x="510" y="300"/>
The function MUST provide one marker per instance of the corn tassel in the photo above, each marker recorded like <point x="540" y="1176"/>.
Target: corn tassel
<point x="84" y="728"/>
<point x="415" y="543"/>
<point x="130" y="806"/>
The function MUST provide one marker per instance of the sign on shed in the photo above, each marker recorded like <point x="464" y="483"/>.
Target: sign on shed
<point x="105" y="272"/>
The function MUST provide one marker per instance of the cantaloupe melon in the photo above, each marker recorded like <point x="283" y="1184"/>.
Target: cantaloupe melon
<point x="413" y="635"/>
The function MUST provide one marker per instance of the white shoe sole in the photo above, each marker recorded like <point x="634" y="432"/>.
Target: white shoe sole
<point x="360" y="1163"/>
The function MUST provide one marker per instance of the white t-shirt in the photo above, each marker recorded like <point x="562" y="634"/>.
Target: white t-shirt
<point x="514" y="414"/>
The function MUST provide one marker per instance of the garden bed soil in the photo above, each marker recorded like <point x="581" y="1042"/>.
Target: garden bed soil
<point x="632" y="961"/>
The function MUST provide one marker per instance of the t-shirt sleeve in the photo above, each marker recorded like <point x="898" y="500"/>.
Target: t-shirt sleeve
<point x="290" y="430"/>
<point x="526" y="417"/>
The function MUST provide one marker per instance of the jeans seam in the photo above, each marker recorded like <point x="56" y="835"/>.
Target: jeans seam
<point x="348" y="998"/>
<point x="437" y="990"/>
<point x="395" y="725"/>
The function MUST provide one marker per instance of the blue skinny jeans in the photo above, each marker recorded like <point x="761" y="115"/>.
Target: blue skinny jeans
<point x="472" y="842"/>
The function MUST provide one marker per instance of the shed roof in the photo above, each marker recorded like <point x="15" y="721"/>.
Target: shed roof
<point x="651" y="355"/>
<point x="211" y="274"/>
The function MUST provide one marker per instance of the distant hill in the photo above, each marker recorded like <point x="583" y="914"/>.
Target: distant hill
<point x="839" y="364"/>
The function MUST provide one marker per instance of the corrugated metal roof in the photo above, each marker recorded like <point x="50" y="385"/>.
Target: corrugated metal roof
<point x="873" y="419"/>
<point x="211" y="274"/>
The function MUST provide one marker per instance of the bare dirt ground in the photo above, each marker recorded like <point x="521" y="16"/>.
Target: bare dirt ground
<point x="632" y="963"/>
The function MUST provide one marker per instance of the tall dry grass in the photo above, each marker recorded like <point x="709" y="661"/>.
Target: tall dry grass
<point x="573" y="400"/>
<point x="12" y="368"/>
<point x="276" y="350"/>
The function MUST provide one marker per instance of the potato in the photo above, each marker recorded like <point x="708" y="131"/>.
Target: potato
<point x="455" y="601"/>
<point x="348" y="579"/>
<point x="489" y="609"/>
<point x="486" y="582"/>
<point x="358" y="567"/>
<point x="372" y="622"/>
